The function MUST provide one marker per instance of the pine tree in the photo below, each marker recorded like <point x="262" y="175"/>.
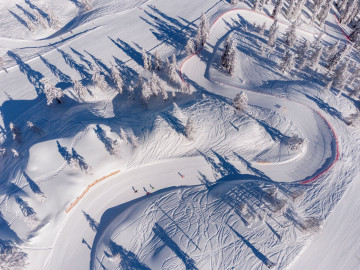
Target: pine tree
<point x="86" y="5"/>
<point x="53" y="20"/>
<point x="354" y="75"/>
<point x="290" y="11"/>
<point x="34" y="127"/>
<point x="303" y="49"/>
<point x="52" y="93"/>
<point x="262" y="30"/>
<point x="240" y="101"/>
<point x="315" y="13"/>
<point x="117" y="79"/>
<point x="288" y="62"/>
<point x="256" y="5"/>
<point x="324" y="13"/>
<point x="145" y="92"/>
<point x="333" y="48"/>
<point x="203" y="32"/>
<point x="272" y="34"/>
<point x="315" y="58"/>
<point x="145" y="59"/>
<point x="99" y="81"/>
<point x="228" y="59"/>
<point x="79" y="89"/>
<point x="134" y="140"/>
<point x="171" y="70"/>
<point x="290" y="36"/>
<point x="355" y="35"/>
<point x="189" y="128"/>
<point x="329" y="85"/>
<point x="341" y="74"/>
<point x="190" y="46"/>
<point x="40" y="19"/>
<point x="233" y="2"/>
<point x="277" y="8"/>
<point x="15" y="132"/>
<point x="158" y="62"/>
<point x="335" y="60"/>
<point x="123" y="135"/>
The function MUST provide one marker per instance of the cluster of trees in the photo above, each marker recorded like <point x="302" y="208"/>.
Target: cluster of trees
<point x="35" y="20"/>
<point x="228" y="58"/>
<point x="202" y="35"/>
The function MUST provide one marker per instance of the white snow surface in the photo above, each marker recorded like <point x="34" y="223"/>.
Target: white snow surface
<point x="233" y="195"/>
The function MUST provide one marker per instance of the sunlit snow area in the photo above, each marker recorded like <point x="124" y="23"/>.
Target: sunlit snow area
<point x="157" y="134"/>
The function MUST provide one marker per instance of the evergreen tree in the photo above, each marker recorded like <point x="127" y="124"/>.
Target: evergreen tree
<point x="98" y="80"/>
<point x="190" y="46"/>
<point x="272" y="34"/>
<point x="117" y="79"/>
<point x="324" y="13"/>
<point x="240" y="101"/>
<point x="145" y="60"/>
<point x="355" y="35"/>
<point x="262" y="30"/>
<point x="15" y="132"/>
<point x="315" y="58"/>
<point x="40" y="19"/>
<point x="53" y="20"/>
<point x="190" y="128"/>
<point x="233" y="2"/>
<point x="158" y="62"/>
<point x="290" y="11"/>
<point x="228" y="59"/>
<point x="303" y="49"/>
<point x="329" y="85"/>
<point x="277" y="8"/>
<point x="145" y="92"/>
<point x="333" y="48"/>
<point x="79" y="89"/>
<point x="341" y="75"/>
<point x="134" y="140"/>
<point x="315" y="13"/>
<point x="290" y="36"/>
<point x="203" y="31"/>
<point x="52" y="93"/>
<point x="288" y="62"/>
<point x="256" y="5"/>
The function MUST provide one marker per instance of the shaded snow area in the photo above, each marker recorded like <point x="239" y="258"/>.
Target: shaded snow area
<point x="157" y="134"/>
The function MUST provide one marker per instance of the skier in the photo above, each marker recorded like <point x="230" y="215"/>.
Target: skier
<point x="134" y="189"/>
<point x="152" y="186"/>
<point x="182" y="176"/>
<point x="147" y="192"/>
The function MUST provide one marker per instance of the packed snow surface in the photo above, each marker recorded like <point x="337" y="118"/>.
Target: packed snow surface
<point x="107" y="178"/>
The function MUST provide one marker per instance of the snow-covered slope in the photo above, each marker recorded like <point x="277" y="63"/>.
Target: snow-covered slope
<point x="234" y="190"/>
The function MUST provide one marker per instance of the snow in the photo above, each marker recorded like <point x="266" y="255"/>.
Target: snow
<point x="272" y="186"/>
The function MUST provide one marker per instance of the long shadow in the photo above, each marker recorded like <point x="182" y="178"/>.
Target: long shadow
<point x="25" y="208"/>
<point x="80" y="159"/>
<point x="42" y="13"/>
<point x="94" y="225"/>
<point x="57" y="72"/>
<point x="63" y="152"/>
<point x="33" y="76"/>
<point x="81" y="69"/>
<point x="83" y="241"/>
<point x="251" y="168"/>
<point x="107" y="141"/>
<point x="256" y="252"/>
<point x="129" y="260"/>
<point x="99" y="63"/>
<point x="82" y="58"/>
<point x="226" y="165"/>
<point x="174" y="123"/>
<point x="19" y="19"/>
<point x="26" y="13"/>
<point x="278" y="236"/>
<point x="33" y="186"/>
<point x="166" y="239"/>
<point x="326" y="107"/>
<point x="127" y="73"/>
<point x="128" y="50"/>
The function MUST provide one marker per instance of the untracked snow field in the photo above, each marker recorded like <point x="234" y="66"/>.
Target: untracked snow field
<point x="122" y="145"/>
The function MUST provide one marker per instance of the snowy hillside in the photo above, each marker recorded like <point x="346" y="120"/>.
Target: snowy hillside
<point x="154" y="134"/>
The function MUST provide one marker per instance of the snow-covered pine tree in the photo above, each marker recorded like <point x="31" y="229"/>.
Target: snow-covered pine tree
<point x="123" y="135"/>
<point x="256" y="5"/>
<point x="203" y="31"/>
<point x="40" y="19"/>
<point x="346" y="14"/>
<point x="315" y="13"/>
<point x="134" y="140"/>
<point x="150" y="62"/>
<point x="228" y="59"/>
<point x="15" y="132"/>
<point x="290" y="11"/>
<point x="190" y="128"/>
<point x="354" y="75"/>
<point x="86" y="5"/>
<point x="34" y="127"/>
<point x="277" y="8"/>
<point x="341" y="74"/>
<point x="335" y="60"/>
<point x="99" y="81"/>
<point x="315" y="58"/>
<point x="355" y="92"/>
<point x="272" y="34"/>
<point x="79" y="89"/>
<point x="53" y="20"/>
<point x="328" y="85"/>
<point x="298" y="10"/>
<point x="288" y="62"/>
<point x="325" y="9"/>
<point x="190" y="46"/>
<point x="145" y="92"/>
<point x="145" y="60"/>
<point x="333" y="48"/>
<point x="154" y="84"/>
<point x="52" y="93"/>
<point x="262" y="30"/>
<point x="342" y="5"/>
<point x="157" y="61"/>
<point x="15" y="153"/>
<point x="303" y="49"/>
<point x="171" y="70"/>
<point x="290" y="36"/>
<point x="240" y="101"/>
<point x="115" y="74"/>
<point x="233" y="2"/>
<point x="355" y="35"/>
